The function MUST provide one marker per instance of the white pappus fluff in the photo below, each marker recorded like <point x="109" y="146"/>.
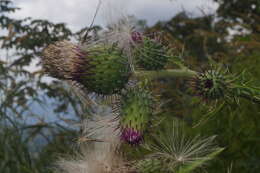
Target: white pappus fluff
<point x="98" y="149"/>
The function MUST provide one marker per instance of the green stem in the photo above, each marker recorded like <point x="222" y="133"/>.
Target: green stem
<point x="166" y="73"/>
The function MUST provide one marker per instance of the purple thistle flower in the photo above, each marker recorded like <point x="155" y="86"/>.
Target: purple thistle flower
<point x="131" y="136"/>
<point x="209" y="84"/>
<point x="136" y="36"/>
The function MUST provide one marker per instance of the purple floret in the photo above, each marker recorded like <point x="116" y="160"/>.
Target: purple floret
<point x="131" y="136"/>
<point x="137" y="36"/>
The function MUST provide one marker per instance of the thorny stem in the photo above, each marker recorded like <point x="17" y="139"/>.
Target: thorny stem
<point x="185" y="72"/>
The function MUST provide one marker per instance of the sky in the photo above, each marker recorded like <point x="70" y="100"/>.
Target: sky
<point x="79" y="13"/>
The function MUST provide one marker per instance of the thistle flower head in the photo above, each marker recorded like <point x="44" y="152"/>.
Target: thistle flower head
<point x="149" y="54"/>
<point x="109" y="70"/>
<point x="136" y="36"/>
<point x="62" y="59"/>
<point x="100" y="68"/>
<point x="211" y="84"/>
<point x="136" y="113"/>
<point x="131" y="136"/>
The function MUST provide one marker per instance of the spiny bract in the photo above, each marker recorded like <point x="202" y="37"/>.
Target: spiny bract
<point x="61" y="58"/>
<point x="150" y="54"/>
<point x="108" y="72"/>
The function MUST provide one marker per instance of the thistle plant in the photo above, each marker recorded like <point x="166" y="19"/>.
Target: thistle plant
<point x="110" y="66"/>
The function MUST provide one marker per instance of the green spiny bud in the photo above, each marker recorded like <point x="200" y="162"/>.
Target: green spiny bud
<point x="211" y="85"/>
<point x="150" y="54"/>
<point x="108" y="72"/>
